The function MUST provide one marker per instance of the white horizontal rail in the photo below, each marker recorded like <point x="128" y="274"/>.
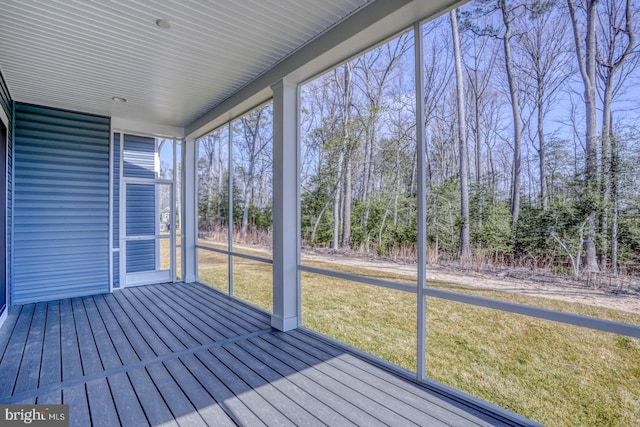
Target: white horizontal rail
<point x="361" y="279"/>
<point x="236" y="254"/>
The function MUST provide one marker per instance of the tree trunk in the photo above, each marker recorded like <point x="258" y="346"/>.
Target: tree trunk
<point x="465" y="249"/>
<point x="544" y="203"/>
<point x="346" y="217"/>
<point x="219" y="188"/>
<point x="478" y="150"/>
<point x="517" y="121"/>
<point x="346" y="223"/>
<point x="587" y="64"/>
<point x="210" y="172"/>
<point x="605" y="181"/>
<point x="316" y="224"/>
<point x="610" y="66"/>
<point x="335" y="244"/>
<point x="614" y="213"/>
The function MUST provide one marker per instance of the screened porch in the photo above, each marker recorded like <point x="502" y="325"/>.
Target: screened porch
<point x="199" y="201"/>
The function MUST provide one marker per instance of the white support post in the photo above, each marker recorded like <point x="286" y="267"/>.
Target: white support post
<point x="422" y="204"/>
<point x="286" y="314"/>
<point x="190" y="210"/>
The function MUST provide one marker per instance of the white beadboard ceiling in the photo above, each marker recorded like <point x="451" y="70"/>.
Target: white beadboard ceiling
<point x="77" y="55"/>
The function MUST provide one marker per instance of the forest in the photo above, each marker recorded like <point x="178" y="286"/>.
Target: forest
<point x="532" y="145"/>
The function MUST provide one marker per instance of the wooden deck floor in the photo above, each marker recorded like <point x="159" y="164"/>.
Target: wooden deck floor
<point x="179" y="354"/>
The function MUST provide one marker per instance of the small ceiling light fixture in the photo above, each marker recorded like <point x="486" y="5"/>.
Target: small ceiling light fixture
<point x="163" y="23"/>
<point x="119" y="99"/>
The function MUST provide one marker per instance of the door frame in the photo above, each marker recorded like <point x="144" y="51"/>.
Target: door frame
<point x="152" y="276"/>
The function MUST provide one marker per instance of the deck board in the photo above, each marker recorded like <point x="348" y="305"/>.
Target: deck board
<point x="218" y="327"/>
<point x="185" y="354"/>
<point x="351" y="405"/>
<point x="131" y="334"/>
<point x="106" y="349"/>
<point x="438" y="407"/>
<point x="124" y="347"/>
<point x="29" y="372"/>
<point x="188" y="328"/>
<point x="7" y="328"/>
<point x="10" y="363"/>
<point x="53" y="398"/>
<point x="70" y="352"/>
<point x="237" y="314"/>
<point x="130" y="411"/>
<point x="154" y="406"/>
<point x="89" y="356"/>
<point x="256" y="403"/>
<point x="163" y="330"/>
<point x="379" y="391"/>
<point x="50" y="370"/>
<point x="181" y="408"/>
<point x="102" y="407"/>
<point x="286" y="405"/>
<point x="140" y="327"/>
<point x="299" y="387"/>
<point x="233" y="406"/>
<point x="76" y="398"/>
<point x="206" y="405"/>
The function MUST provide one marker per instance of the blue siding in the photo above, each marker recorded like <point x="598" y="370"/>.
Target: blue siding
<point x="7" y="105"/>
<point x="116" y="190"/>
<point x="61" y="204"/>
<point x="141" y="211"/>
<point x="139" y="157"/>
<point x="139" y="162"/>
<point x="116" y="209"/>
<point x="116" y="269"/>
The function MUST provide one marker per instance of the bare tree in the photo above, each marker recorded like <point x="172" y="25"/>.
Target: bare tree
<point x="586" y="56"/>
<point x="479" y="62"/>
<point x="345" y="87"/>
<point x="616" y="41"/>
<point x="253" y="143"/>
<point x="374" y="70"/>
<point x="465" y="249"/>
<point x="516" y="178"/>
<point x="437" y="76"/>
<point x="547" y="64"/>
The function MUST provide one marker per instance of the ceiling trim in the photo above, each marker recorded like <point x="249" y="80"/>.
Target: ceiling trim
<point x="146" y="128"/>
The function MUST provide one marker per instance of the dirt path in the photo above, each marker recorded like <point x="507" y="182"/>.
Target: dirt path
<point x="527" y="282"/>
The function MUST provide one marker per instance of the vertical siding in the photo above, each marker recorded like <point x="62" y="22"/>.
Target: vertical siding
<point x="61" y="204"/>
<point x="7" y="105"/>
<point x="116" y="208"/>
<point x="139" y="162"/>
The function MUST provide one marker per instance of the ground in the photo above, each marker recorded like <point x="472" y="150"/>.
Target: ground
<point x="624" y="296"/>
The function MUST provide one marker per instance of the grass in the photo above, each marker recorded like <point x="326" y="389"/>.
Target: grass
<point x="252" y="280"/>
<point x="556" y="374"/>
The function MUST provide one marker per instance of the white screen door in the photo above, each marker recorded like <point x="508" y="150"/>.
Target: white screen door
<point x="147" y="232"/>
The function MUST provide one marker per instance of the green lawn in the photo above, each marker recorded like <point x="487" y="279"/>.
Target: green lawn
<point x="556" y="374"/>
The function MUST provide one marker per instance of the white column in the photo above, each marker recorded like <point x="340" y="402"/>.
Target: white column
<point x="190" y="206"/>
<point x="422" y="204"/>
<point x="285" y="202"/>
